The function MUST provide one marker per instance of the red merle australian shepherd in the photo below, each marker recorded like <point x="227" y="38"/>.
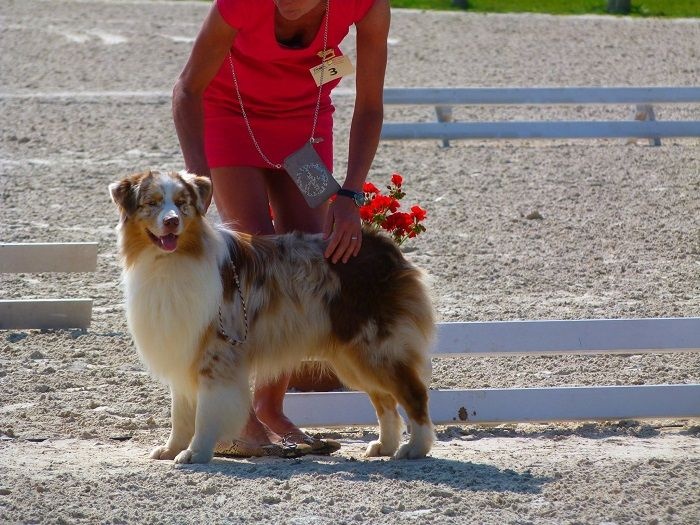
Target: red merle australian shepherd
<point x="208" y="307"/>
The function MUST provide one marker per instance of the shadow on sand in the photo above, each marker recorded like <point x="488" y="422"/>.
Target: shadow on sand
<point x="444" y="473"/>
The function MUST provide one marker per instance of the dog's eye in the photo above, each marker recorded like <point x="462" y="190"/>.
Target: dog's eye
<point x="151" y="203"/>
<point x="180" y="203"/>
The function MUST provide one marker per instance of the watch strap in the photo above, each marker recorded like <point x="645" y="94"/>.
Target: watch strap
<point x="347" y="193"/>
<point x="357" y="196"/>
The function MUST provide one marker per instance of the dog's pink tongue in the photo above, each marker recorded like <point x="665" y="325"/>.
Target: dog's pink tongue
<point x="168" y="242"/>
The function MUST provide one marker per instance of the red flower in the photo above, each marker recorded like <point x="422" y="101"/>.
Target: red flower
<point x="418" y="213"/>
<point x="381" y="211"/>
<point x="383" y="203"/>
<point x="370" y="188"/>
<point x="366" y="214"/>
<point x="397" y="221"/>
<point x="405" y="221"/>
<point x="394" y="205"/>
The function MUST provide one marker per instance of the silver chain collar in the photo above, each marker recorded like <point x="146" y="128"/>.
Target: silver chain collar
<point x="318" y="99"/>
<point x="230" y="340"/>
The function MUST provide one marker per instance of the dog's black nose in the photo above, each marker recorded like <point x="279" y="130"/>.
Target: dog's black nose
<point x="172" y="222"/>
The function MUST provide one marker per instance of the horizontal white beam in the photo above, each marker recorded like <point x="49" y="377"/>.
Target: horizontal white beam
<point x="84" y="95"/>
<point x="555" y="95"/>
<point x="447" y="96"/>
<point x="517" y="405"/>
<point x="576" y="129"/>
<point x="45" y="314"/>
<point x="585" y="336"/>
<point x="48" y="257"/>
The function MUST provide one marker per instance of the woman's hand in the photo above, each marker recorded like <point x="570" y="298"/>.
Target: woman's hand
<point x="343" y="228"/>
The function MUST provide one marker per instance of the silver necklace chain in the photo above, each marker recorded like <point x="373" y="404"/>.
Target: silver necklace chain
<point x="230" y="340"/>
<point x="318" y="99"/>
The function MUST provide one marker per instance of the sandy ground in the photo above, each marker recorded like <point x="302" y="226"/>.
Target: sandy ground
<point x="619" y="237"/>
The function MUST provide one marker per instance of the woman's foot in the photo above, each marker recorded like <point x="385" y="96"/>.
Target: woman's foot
<point x="318" y="446"/>
<point x="255" y="431"/>
<point x="291" y="434"/>
<point x="268" y="406"/>
<point x="258" y="440"/>
<point x="242" y="449"/>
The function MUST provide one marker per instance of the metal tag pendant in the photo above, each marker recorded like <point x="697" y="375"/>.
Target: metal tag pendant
<point x="311" y="175"/>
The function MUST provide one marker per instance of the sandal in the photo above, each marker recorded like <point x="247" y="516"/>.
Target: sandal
<point x="318" y="446"/>
<point x="241" y="449"/>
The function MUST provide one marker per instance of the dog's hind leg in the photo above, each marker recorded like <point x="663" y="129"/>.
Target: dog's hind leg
<point x="182" y="429"/>
<point x="387" y="382"/>
<point x="391" y="426"/>
<point x="412" y="393"/>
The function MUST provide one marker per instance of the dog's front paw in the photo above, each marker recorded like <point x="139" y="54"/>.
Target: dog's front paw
<point x="376" y="449"/>
<point x="163" y="453"/>
<point x="184" y="457"/>
<point x="190" y="456"/>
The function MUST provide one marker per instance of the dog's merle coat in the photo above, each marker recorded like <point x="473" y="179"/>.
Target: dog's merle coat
<point x="370" y="319"/>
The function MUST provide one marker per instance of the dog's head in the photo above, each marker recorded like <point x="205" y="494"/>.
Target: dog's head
<point x="159" y="209"/>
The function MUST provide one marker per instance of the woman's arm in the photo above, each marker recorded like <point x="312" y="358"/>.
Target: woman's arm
<point x="209" y="51"/>
<point x="343" y="222"/>
<point x="372" y="34"/>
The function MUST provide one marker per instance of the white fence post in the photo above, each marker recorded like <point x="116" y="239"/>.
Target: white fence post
<point x="646" y="112"/>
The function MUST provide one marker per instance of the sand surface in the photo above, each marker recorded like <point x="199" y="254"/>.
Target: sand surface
<point x="619" y="237"/>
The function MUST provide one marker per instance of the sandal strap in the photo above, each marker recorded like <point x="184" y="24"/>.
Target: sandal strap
<point x="299" y="437"/>
<point x="243" y="449"/>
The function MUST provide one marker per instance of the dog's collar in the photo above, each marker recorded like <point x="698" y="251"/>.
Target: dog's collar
<point x="222" y="331"/>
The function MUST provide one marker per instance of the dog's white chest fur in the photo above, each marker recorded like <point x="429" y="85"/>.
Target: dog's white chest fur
<point x="170" y="301"/>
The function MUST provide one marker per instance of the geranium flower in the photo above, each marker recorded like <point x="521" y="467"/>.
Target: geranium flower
<point x="382" y="211"/>
<point x="370" y="188"/>
<point x="418" y="212"/>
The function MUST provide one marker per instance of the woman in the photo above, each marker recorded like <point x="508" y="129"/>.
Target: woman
<point x="247" y="99"/>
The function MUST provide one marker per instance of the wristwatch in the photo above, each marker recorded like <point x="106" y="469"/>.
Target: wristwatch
<point x="357" y="196"/>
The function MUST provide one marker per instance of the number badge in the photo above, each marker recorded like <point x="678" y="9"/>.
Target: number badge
<point x="335" y="67"/>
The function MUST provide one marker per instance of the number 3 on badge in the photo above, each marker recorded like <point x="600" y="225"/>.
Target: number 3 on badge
<point x="336" y="67"/>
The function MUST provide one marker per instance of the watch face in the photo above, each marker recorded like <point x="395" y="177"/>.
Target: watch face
<point x="358" y="197"/>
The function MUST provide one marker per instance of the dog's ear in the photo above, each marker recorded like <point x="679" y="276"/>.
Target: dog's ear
<point x="203" y="189"/>
<point x="124" y="193"/>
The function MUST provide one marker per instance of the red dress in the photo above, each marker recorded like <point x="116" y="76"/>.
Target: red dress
<point x="279" y="94"/>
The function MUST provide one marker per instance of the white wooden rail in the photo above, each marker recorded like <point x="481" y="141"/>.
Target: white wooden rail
<point x="508" y="405"/>
<point x="498" y="405"/>
<point x="46" y="257"/>
<point x="541" y="95"/>
<point x="586" y="336"/>
<point x="645" y="125"/>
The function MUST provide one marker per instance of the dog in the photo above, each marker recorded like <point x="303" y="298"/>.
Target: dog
<point x="209" y="308"/>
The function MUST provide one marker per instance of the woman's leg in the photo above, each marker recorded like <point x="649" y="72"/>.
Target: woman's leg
<point x="243" y="196"/>
<point x="240" y="194"/>
<point x="289" y="208"/>
<point x="291" y="213"/>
